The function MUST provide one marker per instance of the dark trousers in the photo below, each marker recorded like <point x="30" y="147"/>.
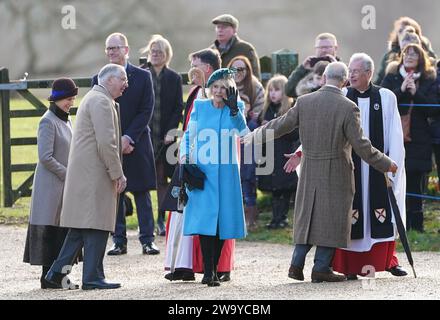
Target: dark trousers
<point x="162" y="187"/>
<point x="322" y="261"/>
<point x="280" y="204"/>
<point x="211" y="249"/>
<point x="144" y="211"/>
<point x="94" y="243"/>
<point x="415" y="183"/>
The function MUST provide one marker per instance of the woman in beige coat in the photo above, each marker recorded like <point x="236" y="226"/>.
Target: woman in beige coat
<point x="45" y="236"/>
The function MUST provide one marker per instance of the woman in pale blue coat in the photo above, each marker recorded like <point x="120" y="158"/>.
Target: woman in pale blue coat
<point x="211" y="142"/>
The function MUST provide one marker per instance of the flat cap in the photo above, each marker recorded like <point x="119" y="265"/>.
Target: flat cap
<point x="226" y="19"/>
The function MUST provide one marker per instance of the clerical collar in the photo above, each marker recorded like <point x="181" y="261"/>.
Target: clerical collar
<point x="61" y="114"/>
<point x="364" y="94"/>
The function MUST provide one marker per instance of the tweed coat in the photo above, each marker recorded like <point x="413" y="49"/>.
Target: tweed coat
<point x="53" y="141"/>
<point x="329" y="126"/>
<point x="90" y="195"/>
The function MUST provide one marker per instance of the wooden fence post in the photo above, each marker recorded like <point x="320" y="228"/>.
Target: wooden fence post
<point x="6" y="141"/>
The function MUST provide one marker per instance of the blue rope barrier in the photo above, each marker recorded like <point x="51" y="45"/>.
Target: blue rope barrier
<point x="422" y="196"/>
<point x="419" y="105"/>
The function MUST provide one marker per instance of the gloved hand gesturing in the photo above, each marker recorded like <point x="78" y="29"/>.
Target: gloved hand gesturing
<point x="231" y="101"/>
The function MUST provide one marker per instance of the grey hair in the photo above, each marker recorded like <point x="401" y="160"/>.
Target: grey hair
<point x="109" y="70"/>
<point x="367" y="61"/>
<point x="337" y="71"/>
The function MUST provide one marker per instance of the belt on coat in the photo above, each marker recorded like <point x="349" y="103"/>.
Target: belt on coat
<point x="324" y="155"/>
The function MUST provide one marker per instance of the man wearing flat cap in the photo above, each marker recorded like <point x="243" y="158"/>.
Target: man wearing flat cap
<point x="230" y="45"/>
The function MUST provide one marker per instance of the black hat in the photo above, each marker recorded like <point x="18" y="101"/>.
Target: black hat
<point x="63" y="88"/>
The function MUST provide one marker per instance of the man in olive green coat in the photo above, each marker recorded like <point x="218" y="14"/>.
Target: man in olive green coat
<point x="230" y="45"/>
<point x="329" y="127"/>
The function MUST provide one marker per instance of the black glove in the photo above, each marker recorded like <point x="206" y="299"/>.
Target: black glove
<point x="231" y="102"/>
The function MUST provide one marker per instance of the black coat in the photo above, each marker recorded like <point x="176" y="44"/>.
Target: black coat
<point x="171" y="106"/>
<point x="419" y="150"/>
<point x="171" y="100"/>
<point x="136" y="108"/>
<point x="288" y="143"/>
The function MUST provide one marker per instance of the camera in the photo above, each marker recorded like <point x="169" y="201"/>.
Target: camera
<point x="315" y="60"/>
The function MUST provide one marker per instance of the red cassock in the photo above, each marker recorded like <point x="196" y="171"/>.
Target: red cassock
<point x="381" y="257"/>
<point x="226" y="262"/>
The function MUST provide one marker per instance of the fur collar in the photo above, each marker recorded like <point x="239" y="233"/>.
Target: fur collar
<point x="393" y="68"/>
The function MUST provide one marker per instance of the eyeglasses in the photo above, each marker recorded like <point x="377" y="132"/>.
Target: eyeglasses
<point x="324" y="47"/>
<point x="156" y="52"/>
<point x="108" y="49"/>
<point x="240" y="69"/>
<point x="410" y="55"/>
<point x="356" y="71"/>
<point x="123" y="79"/>
<point x="198" y="65"/>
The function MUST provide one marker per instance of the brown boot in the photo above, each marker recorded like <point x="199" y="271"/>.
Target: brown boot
<point x="296" y="273"/>
<point x="318" y="277"/>
<point x="251" y="218"/>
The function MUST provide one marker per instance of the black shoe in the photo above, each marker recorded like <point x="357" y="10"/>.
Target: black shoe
<point x="273" y="225"/>
<point x="100" y="284"/>
<point x="283" y="224"/>
<point x="150" y="248"/>
<point x="352" y="277"/>
<point x="117" y="250"/>
<point x="180" y="275"/>
<point x="161" y="228"/>
<point x="211" y="281"/>
<point x="57" y="280"/>
<point x="397" y="271"/>
<point x="224" y="276"/>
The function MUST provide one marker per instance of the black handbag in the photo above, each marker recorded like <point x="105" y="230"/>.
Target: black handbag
<point x="128" y="206"/>
<point x="193" y="177"/>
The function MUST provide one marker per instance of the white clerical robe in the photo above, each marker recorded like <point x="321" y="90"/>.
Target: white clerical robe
<point x="394" y="148"/>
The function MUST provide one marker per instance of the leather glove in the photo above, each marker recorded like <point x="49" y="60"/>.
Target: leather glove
<point x="231" y="101"/>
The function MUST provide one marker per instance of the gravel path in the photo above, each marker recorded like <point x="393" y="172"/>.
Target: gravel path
<point x="260" y="273"/>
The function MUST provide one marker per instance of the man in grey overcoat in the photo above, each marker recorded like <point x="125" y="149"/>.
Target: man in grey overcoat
<point x="329" y="127"/>
<point x="94" y="180"/>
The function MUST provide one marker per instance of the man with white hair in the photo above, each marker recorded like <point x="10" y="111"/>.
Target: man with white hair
<point x="329" y="127"/>
<point x="373" y="228"/>
<point x="93" y="180"/>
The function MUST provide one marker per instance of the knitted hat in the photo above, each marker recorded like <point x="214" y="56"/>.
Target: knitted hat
<point x="63" y="88"/>
<point x="223" y="73"/>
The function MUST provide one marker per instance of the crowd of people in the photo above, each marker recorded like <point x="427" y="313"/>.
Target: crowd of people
<point x="328" y="132"/>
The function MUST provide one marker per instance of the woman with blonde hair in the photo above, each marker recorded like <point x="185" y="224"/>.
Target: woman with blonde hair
<point x="281" y="184"/>
<point x="215" y="210"/>
<point x="167" y="112"/>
